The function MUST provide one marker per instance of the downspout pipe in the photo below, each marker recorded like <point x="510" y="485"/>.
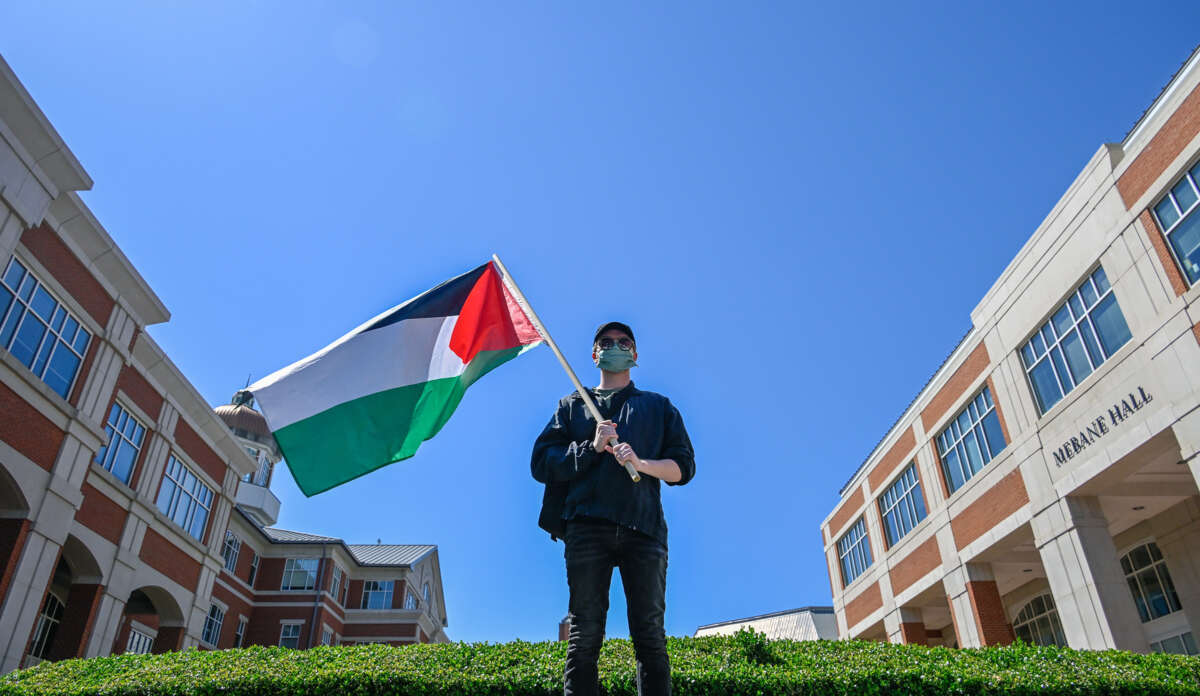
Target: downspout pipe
<point x="312" y="631"/>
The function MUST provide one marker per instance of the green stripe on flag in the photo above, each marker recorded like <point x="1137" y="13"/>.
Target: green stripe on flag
<point x="357" y="437"/>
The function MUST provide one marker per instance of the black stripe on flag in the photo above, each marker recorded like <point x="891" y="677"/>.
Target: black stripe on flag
<point x="445" y="300"/>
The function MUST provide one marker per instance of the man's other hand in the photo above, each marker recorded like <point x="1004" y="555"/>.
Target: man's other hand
<point x="624" y="453"/>
<point x="605" y="430"/>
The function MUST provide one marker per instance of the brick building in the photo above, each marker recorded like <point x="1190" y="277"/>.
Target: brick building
<point x="1043" y="484"/>
<point x="132" y="516"/>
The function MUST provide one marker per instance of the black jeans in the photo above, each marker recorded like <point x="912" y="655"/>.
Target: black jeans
<point x="594" y="547"/>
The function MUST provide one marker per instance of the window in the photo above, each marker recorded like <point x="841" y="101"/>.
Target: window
<point x="230" y="550"/>
<point x="125" y="436"/>
<point x="970" y="441"/>
<point x="425" y="593"/>
<point x="854" y="551"/>
<point x="901" y="506"/>
<point x="377" y="594"/>
<point x="47" y="626"/>
<point x="1177" y="218"/>
<point x="410" y="601"/>
<point x="299" y="574"/>
<point x="185" y="498"/>
<point x="239" y="634"/>
<point x="289" y="636"/>
<point x="1037" y="623"/>
<point x="1150" y="582"/>
<point x="1182" y="644"/>
<point x="253" y="569"/>
<point x="1081" y="334"/>
<point x="38" y="330"/>
<point x="335" y="585"/>
<point x="327" y="636"/>
<point x="212" y="625"/>
<point x="139" y="643"/>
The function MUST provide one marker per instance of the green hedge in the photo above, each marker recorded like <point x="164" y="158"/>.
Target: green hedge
<point x="742" y="664"/>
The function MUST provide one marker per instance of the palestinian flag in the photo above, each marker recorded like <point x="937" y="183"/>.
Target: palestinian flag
<point x="374" y="395"/>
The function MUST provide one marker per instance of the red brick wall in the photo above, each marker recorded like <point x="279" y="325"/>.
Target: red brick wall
<point x="101" y="514"/>
<point x="916" y="565"/>
<point x="1159" y="243"/>
<point x="140" y="390"/>
<point x="895" y="456"/>
<point x="1001" y="500"/>
<point x="1162" y="149"/>
<point x="846" y="512"/>
<point x="69" y="271"/>
<point x="861" y="606"/>
<point x="1196" y="330"/>
<point x="169" y="560"/>
<point x="270" y="574"/>
<point x="264" y="627"/>
<point x="12" y="542"/>
<point x="199" y="452"/>
<point x="169" y="639"/>
<point x="913" y="633"/>
<point x="28" y="431"/>
<point x="237" y="607"/>
<point x="398" y="590"/>
<point x="364" y="630"/>
<point x="354" y="595"/>
<point x="421" y="635"/>
<point x="956" y="387"/>
<point x="988" y="608"/>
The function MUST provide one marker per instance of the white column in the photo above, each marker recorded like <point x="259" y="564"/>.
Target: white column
<point x="900" y="615"/>
<point x="1094" y="604"/>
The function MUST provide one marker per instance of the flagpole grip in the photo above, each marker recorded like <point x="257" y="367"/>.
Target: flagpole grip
<point x="541" y="328"/>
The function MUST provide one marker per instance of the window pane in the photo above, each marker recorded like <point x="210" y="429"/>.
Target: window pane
<point x="1089" y="339"/>
<point x="974" y="459"/>
<point x="1138" y="599"/>
<point x="1185" y="239"/>
<point x="1155" y="598"/>
<point x="1185" y="195"/>
<point x="1110" y="324"/>
<point x="1077" y="358"/>
<point x="954" y="477"/>
<point x="1165" y="211"/>
<point x="995" y="435"/>
<point x="122" y="465"/>
<point x="1089" y="294"/>
<point x="29" y="337"/>
<point x="1101" y="279"/>
<point x="1060" y="367"/>
<point x="1027" y="355"/>
<point x="1045" y="386"/>
<point x="1062" y="321"/>
<point x="63" y="366"/>
<point x="14" y="274"/>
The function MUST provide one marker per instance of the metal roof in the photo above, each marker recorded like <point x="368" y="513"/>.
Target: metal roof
<point x="389" y="554"/>
<point x="288" y="536"/>
<point x="801" y="610"/>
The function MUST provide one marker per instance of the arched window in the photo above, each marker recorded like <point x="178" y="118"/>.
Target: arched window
<point x="1150" y="582"/>
<point x="1038" y="623"/>
<point x="47" y="626"/>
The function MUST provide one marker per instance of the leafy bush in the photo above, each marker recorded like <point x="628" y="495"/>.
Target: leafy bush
<point x="742" y="664"/>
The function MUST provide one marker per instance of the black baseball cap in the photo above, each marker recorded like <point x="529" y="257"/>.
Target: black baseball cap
<point x="613" y="325"/>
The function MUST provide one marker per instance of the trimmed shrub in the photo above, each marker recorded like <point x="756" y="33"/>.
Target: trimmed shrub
<point x="745" y="663"/>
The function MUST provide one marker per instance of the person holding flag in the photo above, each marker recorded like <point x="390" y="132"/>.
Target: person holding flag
<point x="607" y="517"/>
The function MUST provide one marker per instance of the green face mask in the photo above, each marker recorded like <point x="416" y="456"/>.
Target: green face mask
<point x="614" y="359"/>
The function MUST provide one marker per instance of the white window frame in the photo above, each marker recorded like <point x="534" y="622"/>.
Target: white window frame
<point x="49" y="619"/>
<point x="1186" y="637"/>
<point x="981" y="405"/>
<point x="139" y="642"/>
<point x="292" y="567"/>
<point x="230" y="551"/>
<point x="60" y="316"/>
<point x="211" y="635"/>
<point x="855" y="550"/>
<point x="253" y="569"/>
<point x="1027" y="616"/>
<point x="289" y="627"/>
<point x="1050" y="339"/>
<point x="1161" y="571"/>
<point x="903" y="503"/>
<point x="411" y="603"/>
<point x="106" y="456"/>
<point x="335" y="583"/>
<point x="239" y="634"/>
<point x="327" y="635"/>
<point x="385" y="588"/>
<point x="201" y="496"/>
<point x="1189" y="176"/>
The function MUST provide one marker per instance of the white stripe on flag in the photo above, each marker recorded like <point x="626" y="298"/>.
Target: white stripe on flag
<point x="407" y="352"/>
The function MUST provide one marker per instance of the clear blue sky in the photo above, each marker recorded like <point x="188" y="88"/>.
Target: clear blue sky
<point x="795" y="205"/>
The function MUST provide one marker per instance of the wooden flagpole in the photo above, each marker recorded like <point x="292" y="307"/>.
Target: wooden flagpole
<point x="541" y="328"/>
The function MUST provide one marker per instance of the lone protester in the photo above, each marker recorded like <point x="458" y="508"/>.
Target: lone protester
<point x="604" y="517"/>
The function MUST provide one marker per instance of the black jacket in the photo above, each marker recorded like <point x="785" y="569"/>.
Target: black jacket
<point x="583" y="482"/>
